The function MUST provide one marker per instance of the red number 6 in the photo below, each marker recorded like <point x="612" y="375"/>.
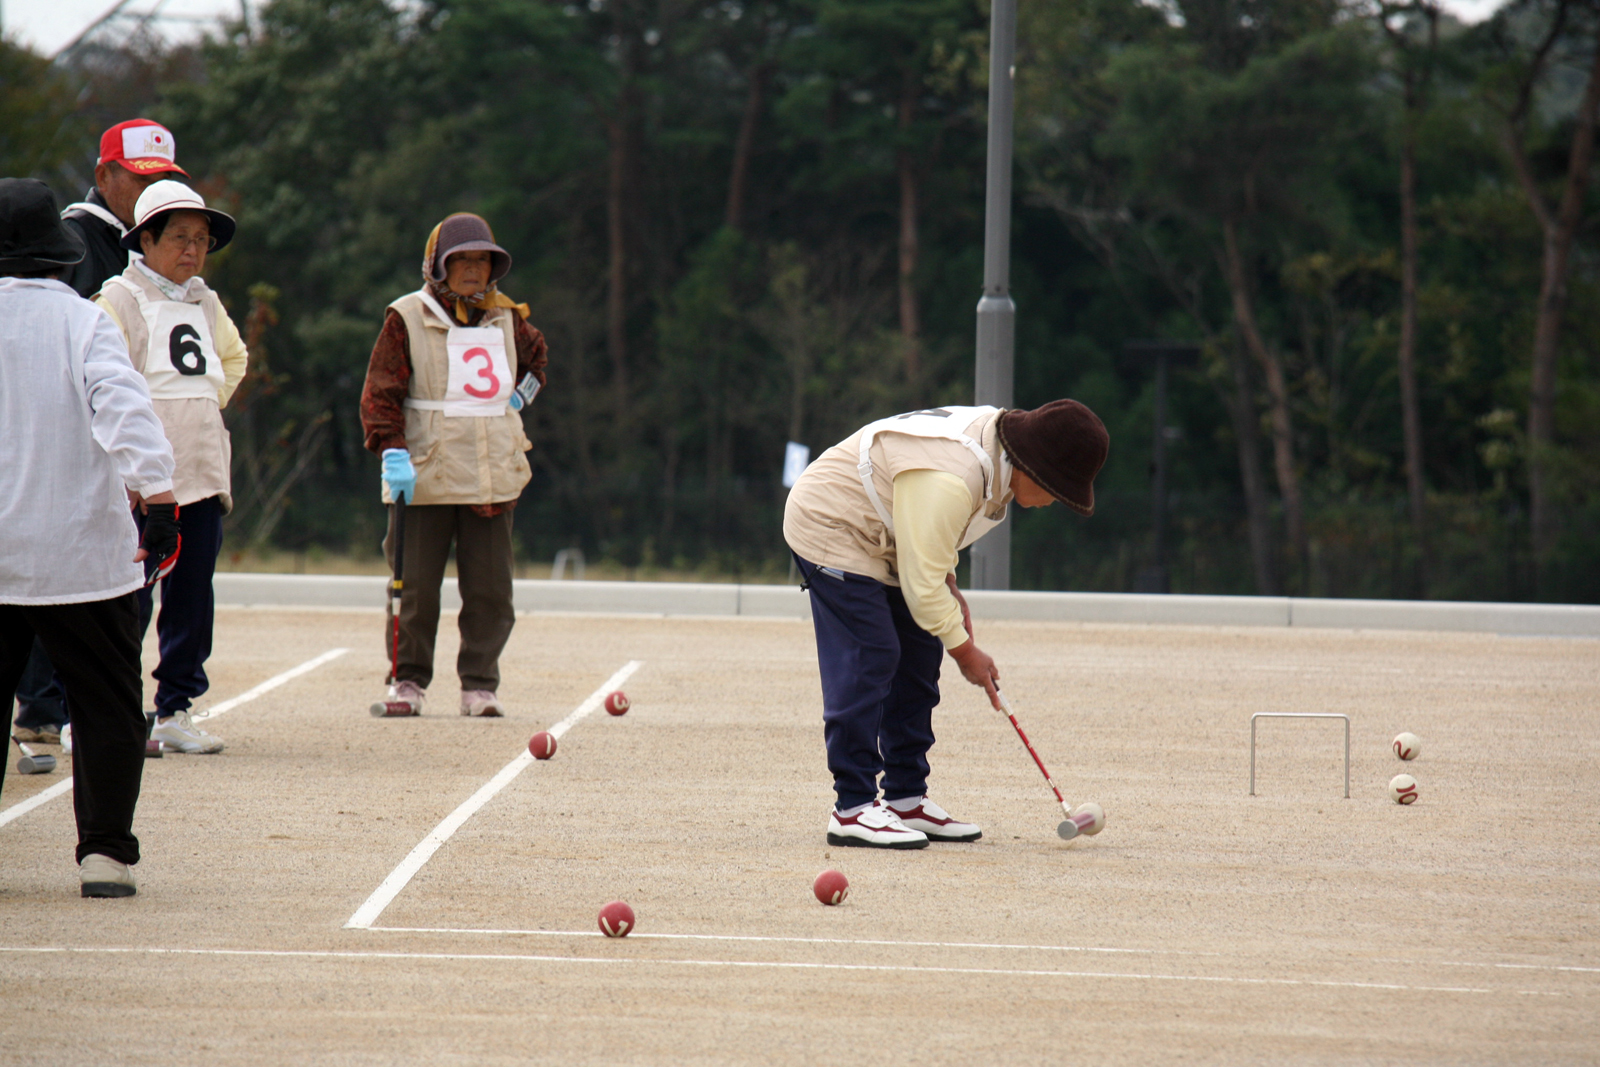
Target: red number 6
<point x="486" y="373"/>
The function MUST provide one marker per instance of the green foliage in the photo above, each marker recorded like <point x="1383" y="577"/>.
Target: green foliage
<point x="340" y="132"/>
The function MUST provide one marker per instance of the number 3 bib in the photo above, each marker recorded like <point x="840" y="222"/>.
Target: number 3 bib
<point x="480" y="382"/>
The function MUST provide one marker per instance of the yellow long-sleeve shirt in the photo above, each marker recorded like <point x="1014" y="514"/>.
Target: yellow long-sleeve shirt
<point x="931" y="512"/>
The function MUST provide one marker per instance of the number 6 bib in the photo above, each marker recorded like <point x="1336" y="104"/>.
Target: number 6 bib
<point x="480" y="377"/>
<point x="181" y="361"/>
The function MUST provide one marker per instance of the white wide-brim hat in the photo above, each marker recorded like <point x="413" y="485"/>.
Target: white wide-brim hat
<point x="163" y="197"/>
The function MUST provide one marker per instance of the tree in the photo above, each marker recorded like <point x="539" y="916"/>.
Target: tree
<point x="1511" y="87"/>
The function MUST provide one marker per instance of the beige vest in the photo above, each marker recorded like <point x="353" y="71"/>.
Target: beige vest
<point x="201" y="446"/>
<point x="831" y="520"/>
<point x="459" y="460"/>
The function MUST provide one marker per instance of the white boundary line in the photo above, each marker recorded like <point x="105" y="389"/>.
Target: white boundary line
<point x="18" y="810"/>
<point x="384" y="895"/>
<point x="798" y="940"/>
<point x="270" y="684"/>
<point x="943" y="944"/>
<point x="779" y="965"/>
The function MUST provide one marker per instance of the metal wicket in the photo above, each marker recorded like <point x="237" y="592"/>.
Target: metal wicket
<point x="1299" y="715"/>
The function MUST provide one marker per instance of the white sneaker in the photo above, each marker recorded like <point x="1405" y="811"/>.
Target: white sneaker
<point x="180" y="734"/>
<point x="411" y="693"/>
<point x="874" y="827"/>
<point x="481" y="702"/>
<point x="103" y="876"/>
<point x="933" y="820"/>
<point x="66" y="740"/>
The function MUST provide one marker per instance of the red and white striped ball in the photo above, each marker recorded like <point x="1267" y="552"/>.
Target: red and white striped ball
<point x="616" y="919"/>
<point x="617" y="703"/>
<point x="1407" y="746"/>
<point x="542" y="745"/>
<point x="831" y="887"/>
<point x="1403" y="788"/>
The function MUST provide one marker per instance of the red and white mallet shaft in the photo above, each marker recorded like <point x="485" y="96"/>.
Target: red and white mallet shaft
<point x="1075" y="824"/>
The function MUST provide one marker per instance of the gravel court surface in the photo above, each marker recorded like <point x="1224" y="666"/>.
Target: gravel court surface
<point x="1426" y="934"/>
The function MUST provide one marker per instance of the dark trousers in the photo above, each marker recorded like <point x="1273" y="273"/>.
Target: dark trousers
<point x="483" y="573"/>
<point x="880" y="684"/>
<point x="188" y="609"/>
<point x="39" y="699"/>
<point x="95" y="650"/>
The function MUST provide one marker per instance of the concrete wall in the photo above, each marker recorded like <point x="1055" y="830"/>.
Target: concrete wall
<point x="684" y="598"/>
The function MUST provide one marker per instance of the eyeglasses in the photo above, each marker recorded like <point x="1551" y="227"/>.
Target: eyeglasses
<point x="200" y="242"/>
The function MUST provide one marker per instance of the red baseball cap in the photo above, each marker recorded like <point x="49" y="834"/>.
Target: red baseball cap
<point x="142" y="146"/>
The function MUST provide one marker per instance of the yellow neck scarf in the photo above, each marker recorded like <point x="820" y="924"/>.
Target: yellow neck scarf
<point x="491" y="297"/>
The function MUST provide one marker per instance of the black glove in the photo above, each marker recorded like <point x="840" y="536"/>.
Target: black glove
<point x="161" y="540"/>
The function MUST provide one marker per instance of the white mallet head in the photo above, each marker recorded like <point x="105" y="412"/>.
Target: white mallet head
<point x="1407" y="746"/>
<point x="1403" y="788"/>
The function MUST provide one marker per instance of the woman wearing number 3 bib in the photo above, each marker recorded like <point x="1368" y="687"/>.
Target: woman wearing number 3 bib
<point x="455" y="364"/>
<point x="192" y="358"/>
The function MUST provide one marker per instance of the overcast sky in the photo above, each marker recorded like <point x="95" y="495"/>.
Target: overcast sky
<point x="49" y="25"/>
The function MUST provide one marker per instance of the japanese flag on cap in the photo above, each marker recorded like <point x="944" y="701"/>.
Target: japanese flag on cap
<point x="142" y="146"/>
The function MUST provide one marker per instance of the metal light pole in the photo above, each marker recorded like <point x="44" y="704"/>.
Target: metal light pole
<point x="991" y="557"/>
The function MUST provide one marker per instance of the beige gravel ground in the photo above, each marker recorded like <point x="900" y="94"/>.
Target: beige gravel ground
<point x="1203" y="926"/>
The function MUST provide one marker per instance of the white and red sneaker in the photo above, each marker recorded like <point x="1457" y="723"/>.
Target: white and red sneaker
<point x="920" y="813"/>
<point x="874" y="826"/>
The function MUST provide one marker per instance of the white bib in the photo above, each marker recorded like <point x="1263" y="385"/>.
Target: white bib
<point x="480" y="380"/>
<point x="180" y="361"/>
<point x="949" y="424"/>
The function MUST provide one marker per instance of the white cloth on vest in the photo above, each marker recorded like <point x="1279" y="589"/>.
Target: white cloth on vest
<point x="79" y="427"/>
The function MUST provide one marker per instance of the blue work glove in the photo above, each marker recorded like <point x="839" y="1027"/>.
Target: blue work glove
<point x="524" y="393"/>
<point x="398" y="473"/>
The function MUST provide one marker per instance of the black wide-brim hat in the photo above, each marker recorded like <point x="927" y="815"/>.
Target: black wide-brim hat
<point x="1062" y="446"/>
<point x="32" y="237"/>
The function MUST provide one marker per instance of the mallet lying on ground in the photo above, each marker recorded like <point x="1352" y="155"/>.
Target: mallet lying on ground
<point x="1089" y="818"/>
<point x="33" y="762"/>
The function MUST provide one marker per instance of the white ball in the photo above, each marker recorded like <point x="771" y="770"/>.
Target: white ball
<point x="1407" y="746"/>
<point x="1403" y="788"/>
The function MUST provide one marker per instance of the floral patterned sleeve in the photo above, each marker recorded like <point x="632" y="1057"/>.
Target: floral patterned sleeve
<point x="383" y="398"/>
<point x="530" y="352"/>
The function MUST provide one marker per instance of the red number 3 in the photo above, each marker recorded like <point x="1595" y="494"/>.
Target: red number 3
<point x="485" y="372"/>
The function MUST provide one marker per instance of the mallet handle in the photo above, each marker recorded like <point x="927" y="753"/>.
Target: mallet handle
<point x="1006" y="706"/>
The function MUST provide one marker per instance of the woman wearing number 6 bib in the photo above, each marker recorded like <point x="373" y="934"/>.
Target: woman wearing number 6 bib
<point x="454" y="366"/>
<point x="192" y="358"/>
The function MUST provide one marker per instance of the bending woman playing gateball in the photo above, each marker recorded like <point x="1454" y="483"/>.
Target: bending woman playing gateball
<point x="455" y="365"/>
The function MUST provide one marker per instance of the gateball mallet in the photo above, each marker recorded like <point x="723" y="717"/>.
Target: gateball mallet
<point x="33" y="762"/>
<point x="1089" y="818"/>
<point x="392" y="707"/>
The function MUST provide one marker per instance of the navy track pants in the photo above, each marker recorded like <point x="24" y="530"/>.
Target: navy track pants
<point x="880" y="684"/>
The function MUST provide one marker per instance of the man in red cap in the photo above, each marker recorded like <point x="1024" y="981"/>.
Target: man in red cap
<point x="876" y="525"/>
<point x="133" y="155"/>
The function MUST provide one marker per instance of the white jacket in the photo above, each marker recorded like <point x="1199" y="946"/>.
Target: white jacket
<point x="76" y="427"/>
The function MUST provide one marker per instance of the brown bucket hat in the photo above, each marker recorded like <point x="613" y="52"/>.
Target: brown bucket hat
<point x="1062" y="446"/>
<point x="466" y="232"/>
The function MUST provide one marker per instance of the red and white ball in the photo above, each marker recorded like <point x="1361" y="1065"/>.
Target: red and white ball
<point x="542" y="745"/>
<point x="616" y="919"/>
<point x="1407" y="746"/>
<point x="831" y="887"/>
<point x="1403" y="789"/>
<point x="617" y="703"/>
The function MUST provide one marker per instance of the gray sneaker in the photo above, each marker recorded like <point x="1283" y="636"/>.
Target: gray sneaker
<point x="481" y="702"/>
<point x="180" y="734"/>
<point x="103" y="876"/>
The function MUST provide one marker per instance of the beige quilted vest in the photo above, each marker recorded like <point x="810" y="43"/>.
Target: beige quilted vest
<point x="459" y="460"/>
<point x="830" y="520"/>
